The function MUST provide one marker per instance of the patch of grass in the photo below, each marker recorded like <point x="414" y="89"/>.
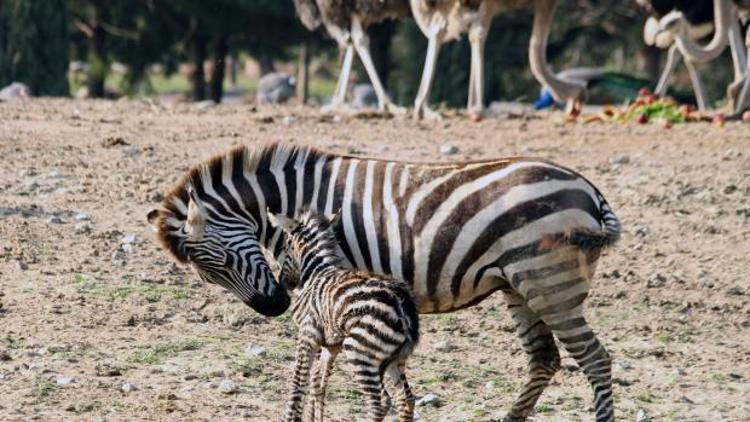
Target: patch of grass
<point x="156" y="353"/>
<point x="248" y="367"/>
<point x="43" y="387"/>
<point x="542" y="408"/>
<point x="663" y="338"/>
<point x="150" y="292"/>
<point x="354" y="397"/>
<point x="645" y="397"/>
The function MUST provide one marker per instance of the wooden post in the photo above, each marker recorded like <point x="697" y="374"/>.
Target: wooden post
<point x="303" y="66"/>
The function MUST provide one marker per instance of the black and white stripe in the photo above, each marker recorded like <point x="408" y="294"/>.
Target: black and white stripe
<point x="371" y="317"/>
<point x="455" y="232"/>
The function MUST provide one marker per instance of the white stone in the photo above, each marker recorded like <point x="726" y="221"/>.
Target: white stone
<point x="227" y="386"/>
<point x="128" y="239"/>
<point x="448" y="149"/>
<point x="128" y="387"/>
<point x="642" y="416"/>
<point x="82" y="217"/>
<point x="63" y="380"/>
<point x="254" y="350"/>
<point x="428" y="399"/>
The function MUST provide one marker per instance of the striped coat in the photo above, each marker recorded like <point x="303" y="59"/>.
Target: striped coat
<point x="455" y="232"/>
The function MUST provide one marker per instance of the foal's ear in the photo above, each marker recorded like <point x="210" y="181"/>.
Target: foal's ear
<point x="281" y="221"/>
<point x="152" y="217"/>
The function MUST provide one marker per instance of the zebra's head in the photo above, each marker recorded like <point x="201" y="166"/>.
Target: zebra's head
<point x="310" y="244"/>
<point x="222" y="250"/>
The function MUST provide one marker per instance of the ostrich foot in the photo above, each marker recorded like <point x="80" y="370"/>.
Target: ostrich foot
<point x="337" y="108"/>
<point x="733" y="92"/>
<point x="573" y="107"/>
<point x="427" y="113"/>
<point x="394" y="109"/>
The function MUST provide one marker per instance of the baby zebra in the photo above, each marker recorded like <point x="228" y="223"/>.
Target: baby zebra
<point x="372" y="317"/>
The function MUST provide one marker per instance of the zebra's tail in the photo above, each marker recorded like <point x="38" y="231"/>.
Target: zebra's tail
<point x="609" y="235"/>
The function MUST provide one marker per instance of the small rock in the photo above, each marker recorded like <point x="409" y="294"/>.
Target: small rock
<point x="656" y="281"/>
<point x="620" y="159"/>
<point x="22" y="265"/>
<point x="642" y="416"/>
<point x="382" y="148"/>
<point x="55" y="220"/>
<point x="128" y="387"/>
<point x="5" y="356"/>
<point x="227" y="387"/>
<point x="156" y="197"/>
<point x="82" y="227"/>
<point x="736" y="291"/>
<point x="448" y="149"/>
<point x="490" y="385"/>
<point x="254" y="350"/>
<point x="288" y="120"/>
<point x="624" y="365"/>
<point x="204" y="105"/>
<point x="131" y="151"/>
<point x="730" y="189"/>
<point x="55" y="174"/>
<point x="63" y="380"/>
<point x="128" y="239"/>
<point x="428" y="399"/>
<point x="681" y="371"/>
<point x="114" y="141"/>
<point x="82" y="217"/>
<point x="444" y="346"/>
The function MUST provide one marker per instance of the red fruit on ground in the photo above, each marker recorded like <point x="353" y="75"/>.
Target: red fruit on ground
<point x="642" y="119"/>
<point x="719" y="119"/>
<point x="644" y="92"/>
<point x="746" y="116"/>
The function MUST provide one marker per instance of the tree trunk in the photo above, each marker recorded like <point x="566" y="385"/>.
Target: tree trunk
<point x="199" y="57"/>
<point x="303" y="72"/>
<point x="98" y="64"/>
<point x="221" y="48"/>
<point x="266" y="65"/>
<point x="650" y="62"/>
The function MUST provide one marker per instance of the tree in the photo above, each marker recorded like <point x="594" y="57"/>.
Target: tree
<point x="34" y="45"/>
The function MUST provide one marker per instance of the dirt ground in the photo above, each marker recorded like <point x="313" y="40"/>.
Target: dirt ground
<point x="97" y="323"/>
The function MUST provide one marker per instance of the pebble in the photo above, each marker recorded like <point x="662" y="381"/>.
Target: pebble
<point x="490" y="385"/>
<point x="128" y="239"/>
<point x="227" y="387"/>
<point x="55" y="174"/>
<point x="448" y="149"/>
<point x="254" y="350"/>
<point x="642" y="416"/>
<point x="82" y="227"/>
<point x="620" y="159"/>
<point x="444" y="346"/>
<point x="82" y="217"/>
<point x="63" y="380"/>
<point x="128" y="387"/>
<point x="22" y="265"/>
<point x="624" y="365"/>
<point x="428" y="399"/>
<point x="204" y="105"/>
<point x="656" y="281"/>
<point x="54" y="220"/>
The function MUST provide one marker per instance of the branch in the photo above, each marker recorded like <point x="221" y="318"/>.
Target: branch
<point x="120" y="32"/>
<point x="82" y="26"/>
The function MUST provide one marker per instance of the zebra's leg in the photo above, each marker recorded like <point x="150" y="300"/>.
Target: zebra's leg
<point x="367" y="374"/>
<point x="402" y="390"/>
<point x="539" y="345"/>
<point x="325" y="364"/>
<point x="554" y="288"/>
<point x="308" y="341"/>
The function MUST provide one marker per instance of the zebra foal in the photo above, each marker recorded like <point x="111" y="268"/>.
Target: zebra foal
<point x="373" y="318"/>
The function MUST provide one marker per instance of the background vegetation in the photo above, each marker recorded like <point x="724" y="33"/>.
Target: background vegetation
<point x="197" y="48"/>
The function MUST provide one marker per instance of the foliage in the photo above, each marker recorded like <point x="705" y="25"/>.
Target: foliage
<point x="33" y="45"/>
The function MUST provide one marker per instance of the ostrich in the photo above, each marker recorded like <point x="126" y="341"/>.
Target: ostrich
<point x="727" y="30"/>
<point x="699" y="16"/>
<point x="445" y="20"/>
<point x="346" y="21"/>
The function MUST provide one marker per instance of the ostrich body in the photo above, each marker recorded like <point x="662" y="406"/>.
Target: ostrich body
<point x="445" y="20"/>
<point x="727" y="31"/>
<point x="346" y="22"/>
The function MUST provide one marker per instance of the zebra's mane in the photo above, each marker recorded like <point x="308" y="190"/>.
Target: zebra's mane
<point x="256" y="159"/>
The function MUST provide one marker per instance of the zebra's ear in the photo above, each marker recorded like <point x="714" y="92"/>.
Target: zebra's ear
<point x="281" y="221"/>
<point x="196" y="216"/>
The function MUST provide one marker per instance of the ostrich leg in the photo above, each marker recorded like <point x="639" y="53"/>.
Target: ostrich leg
<point x="434" y="40"/>
<point x="698" y="88"/>
<point x="362" y="45"/>
<point x="477" y="38"/>
<point x="741" y="72"/>
<point x="673" y="59"/>
<point x="544" y="11"/>
<point x="342" y="85"/>
<point x="743" y="99"/>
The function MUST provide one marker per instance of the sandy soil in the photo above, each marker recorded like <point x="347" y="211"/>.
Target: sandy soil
<point x="90" y="303"/>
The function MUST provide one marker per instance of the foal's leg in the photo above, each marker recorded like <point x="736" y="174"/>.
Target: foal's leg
<point x="366" y="366"/>
<point x="325" y="364"/>
<point x="402" y="391"/>
<point x="308" y="342"/>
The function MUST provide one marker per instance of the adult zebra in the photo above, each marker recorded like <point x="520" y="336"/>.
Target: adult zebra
<point x="456" y="232"/>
